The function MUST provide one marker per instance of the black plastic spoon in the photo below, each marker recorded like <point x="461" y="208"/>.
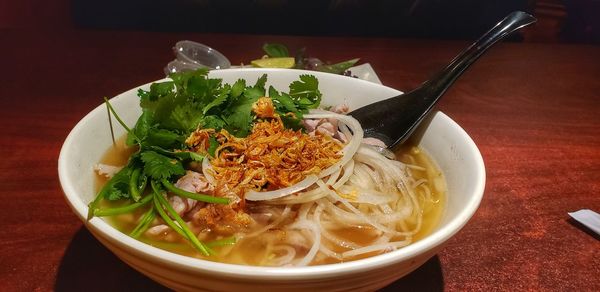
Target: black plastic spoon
<point x="393" y="120"/>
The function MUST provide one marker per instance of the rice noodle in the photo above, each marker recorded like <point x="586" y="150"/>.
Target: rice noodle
<point x="276" y="222"/>
<point x="286" y="258"/>
<point x="373" y="248"/>
<point x="316" y="232"/>
<point x="362" y="192"/>
<point x="369" y="191"/>
<point x="368" y="220"/>
<point x="335" y="239"/>
<point x="416" y="167"/>
<point x="329" y="253"/>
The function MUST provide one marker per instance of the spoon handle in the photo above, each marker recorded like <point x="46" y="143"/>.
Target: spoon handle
<point x="440" y="82"/>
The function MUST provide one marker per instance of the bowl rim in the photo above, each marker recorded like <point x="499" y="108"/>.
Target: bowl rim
<point x="191" y="264"/>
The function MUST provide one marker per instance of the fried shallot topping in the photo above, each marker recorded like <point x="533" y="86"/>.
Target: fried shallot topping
<point x="222" y="219"/>
<point x="263" y="108"/>
<point x="270" y="158"/>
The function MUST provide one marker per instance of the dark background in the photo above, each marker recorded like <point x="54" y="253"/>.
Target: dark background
<point x="559" y="20"/>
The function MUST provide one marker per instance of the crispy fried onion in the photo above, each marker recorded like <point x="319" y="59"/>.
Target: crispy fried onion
<point x="270" y="159"/>
<point x="348" y="123"/>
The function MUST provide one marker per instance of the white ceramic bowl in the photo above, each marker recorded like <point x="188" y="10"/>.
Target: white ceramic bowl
<point x="445" y="141"/>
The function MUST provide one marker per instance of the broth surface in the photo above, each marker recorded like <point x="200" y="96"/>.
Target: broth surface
<point x="253" y="251"/>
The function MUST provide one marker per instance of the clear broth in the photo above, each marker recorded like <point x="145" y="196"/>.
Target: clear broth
<point x="250" y="251"/>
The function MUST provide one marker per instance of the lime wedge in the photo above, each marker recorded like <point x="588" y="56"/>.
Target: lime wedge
<point x="282" y="62"/>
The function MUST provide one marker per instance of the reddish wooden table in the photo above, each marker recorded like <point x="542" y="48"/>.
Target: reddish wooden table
<point x="533" y="110"/>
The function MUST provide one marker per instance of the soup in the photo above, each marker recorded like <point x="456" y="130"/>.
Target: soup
<point x="254" y="251"/>
<point x="284" y="185"/>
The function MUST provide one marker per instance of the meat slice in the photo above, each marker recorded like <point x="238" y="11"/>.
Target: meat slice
<point x="341" y="108"/>
<point x="192" y="182"/>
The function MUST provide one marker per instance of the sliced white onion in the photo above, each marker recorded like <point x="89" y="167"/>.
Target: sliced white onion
<point x="334" y="176"/>
<point x="348" y="170"/>
<point x="261" y="196"/>
<point x="300" y="198"/>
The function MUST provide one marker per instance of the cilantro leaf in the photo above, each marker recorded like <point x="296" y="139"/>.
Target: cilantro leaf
<point x="181" y="79"/>
<point x="282" y="101"/>
<point x="285" y="104"/>
<point x="260" y="83"/>
<point x="143" y="94"/>
<point x="149" y="134"/>
<point x="118" y="186"/>
<point x="141" y="129"/>
<point x="162" y="108"/>
<point x="305" y="92"/>
<point x="238" y="88"/>
<point x="157" y="90"/>
<point x="239" y="118"/>
<point x="191" y="155"/>
<point x="164" y="138"/>
<point x="202" y="89"/>
<point x="158" y="166"/>
<point x="185" y="118"/>
<point x="238" y="114"/>
<point x="219" y="99"/>
<point x="294" y="123"/>
<point x="212" y="122"/>
<point x="251" y="93"/>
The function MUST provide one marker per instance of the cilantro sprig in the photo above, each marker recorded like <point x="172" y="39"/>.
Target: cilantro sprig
<point x="171" y="111"/>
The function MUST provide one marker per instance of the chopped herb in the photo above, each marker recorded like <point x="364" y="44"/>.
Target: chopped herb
<point x="144" y="223"/>
<point x="122" y="210"/>
<point x="160" y="167"/>
<point x="160" y="203"/>
<point x="193" y="196"/>
<point x="171" y="111"/>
